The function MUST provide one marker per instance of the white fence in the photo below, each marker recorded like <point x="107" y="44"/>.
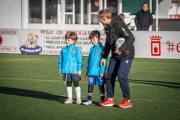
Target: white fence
<point x="50" y="42"/>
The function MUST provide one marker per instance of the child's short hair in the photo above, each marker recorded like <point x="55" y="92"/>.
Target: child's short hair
<point x="94" y="33"/>
<point x="71" y="35"/>
<point x="105" y="13"/>
<point x="121" y="15"/>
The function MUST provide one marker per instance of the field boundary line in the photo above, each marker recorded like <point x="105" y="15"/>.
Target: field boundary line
<point x="153" y="71"/>
<point x="159" y="67"/>
<point x="19" y="59"/>
<point x="63" y="81"/>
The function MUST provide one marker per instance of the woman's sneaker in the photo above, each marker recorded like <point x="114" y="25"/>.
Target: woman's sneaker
<point x="88" y="102"/>
<point x="78" y="101"/>
<point x="68" y="101"/>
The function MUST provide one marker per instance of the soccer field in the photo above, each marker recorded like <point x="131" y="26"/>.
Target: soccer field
<point x="31" y="88"/>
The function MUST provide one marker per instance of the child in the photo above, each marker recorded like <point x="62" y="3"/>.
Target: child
<point x="122" y="17"/>
<point x="121" y="59"/>
<point x="70" y="64"/>
<point x="94" y="71"/>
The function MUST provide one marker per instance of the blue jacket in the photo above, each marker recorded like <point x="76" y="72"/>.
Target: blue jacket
<point x="70" y="59"/>
<point x="143" y="20"/>
<point x="93" y="64"/>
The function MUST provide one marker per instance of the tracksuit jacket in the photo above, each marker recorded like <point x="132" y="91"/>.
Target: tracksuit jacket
<point x="117" y="29"/>
<point x="70" y="60"/>
<point x="93" y="64"/>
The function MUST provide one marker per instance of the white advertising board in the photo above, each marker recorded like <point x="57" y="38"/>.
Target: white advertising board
<point x="8" y="41"/>
<point x="51" y="42"/>
<point x="157" y="44"/>
<point x="148" y="44"/>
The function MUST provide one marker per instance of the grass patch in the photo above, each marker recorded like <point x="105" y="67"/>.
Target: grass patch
<point x="31" y="88"/>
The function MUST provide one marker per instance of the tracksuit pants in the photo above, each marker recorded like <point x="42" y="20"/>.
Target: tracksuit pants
<point x="120" y="67"/>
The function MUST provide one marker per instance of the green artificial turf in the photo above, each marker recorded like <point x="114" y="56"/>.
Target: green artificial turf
<point x="31" y="88"/>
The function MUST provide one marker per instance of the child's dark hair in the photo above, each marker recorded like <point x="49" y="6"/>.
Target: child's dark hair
<point x="94" y="33"/>
<point x="71" y="35"/>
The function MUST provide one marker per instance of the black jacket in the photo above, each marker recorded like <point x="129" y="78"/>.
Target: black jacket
<point x="143" y="20"/>
<point x="116" y="29"/>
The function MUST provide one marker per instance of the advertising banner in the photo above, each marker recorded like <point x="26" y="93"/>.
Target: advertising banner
<point x="51" y="42"/>
<point x="148" y="44"/>
<point x="8" y="41"/>
<point x="157" y="44"/>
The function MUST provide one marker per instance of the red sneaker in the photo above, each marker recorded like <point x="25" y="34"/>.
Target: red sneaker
<point x="107" y="102"/>
<point x="125" y="104"/>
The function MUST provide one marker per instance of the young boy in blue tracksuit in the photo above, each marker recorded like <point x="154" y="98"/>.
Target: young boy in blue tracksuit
<point x="70" y="65"/>
<point x="94" y="71"/>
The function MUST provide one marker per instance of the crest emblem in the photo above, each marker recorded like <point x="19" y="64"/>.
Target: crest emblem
<point x="91" y="79"/>
<point x="156" y="45"/>
<point x="72" y="51"/>
<point x="98" y="52"/>
<point x="114" y="29"/>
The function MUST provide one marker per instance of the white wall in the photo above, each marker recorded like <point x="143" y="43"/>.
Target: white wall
<point x="10" y="14"/>
<point x="175" y="9"/>
<point x="163" y="8"/>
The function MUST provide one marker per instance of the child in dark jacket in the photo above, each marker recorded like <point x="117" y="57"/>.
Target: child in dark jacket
<point x="94" y="71"/>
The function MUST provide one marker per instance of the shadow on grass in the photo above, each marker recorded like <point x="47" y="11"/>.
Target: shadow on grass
<point x="158" y="83"/>
<point x="32" y="93"/>
<point x="36" y="94"/>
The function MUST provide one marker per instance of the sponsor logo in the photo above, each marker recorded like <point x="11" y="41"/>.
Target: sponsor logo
<point x="8" y="48"/>
<point x="156" y="45"/>
<point x="8" y="32"/>
<point x="127" y="61"/>
<point x="72" y="51"/>
<point x="114" y="29"/>
<point x="30" y="46"/>
<point x="98" y="52"/>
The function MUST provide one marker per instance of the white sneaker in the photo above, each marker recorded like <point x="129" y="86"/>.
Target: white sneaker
<point x="88" y="102"/>
<point x="78" y="101"/>
<point x="68" y="101"/>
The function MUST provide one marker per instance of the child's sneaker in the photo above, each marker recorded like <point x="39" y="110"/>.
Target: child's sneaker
<point x="102" y="100"/>
<point x="78" y="101"/>
<point x="88" y="102"/>
<point x="125" y="104"/>
<point x="107" y="102"/>
<point x="69" y="101"/>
